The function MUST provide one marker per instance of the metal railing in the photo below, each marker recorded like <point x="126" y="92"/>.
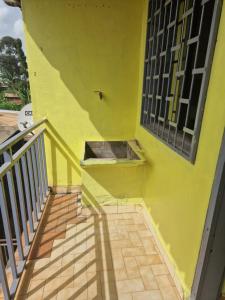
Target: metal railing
<point x="23" y="193"/>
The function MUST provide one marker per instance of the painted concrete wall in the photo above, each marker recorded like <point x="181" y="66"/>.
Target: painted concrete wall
<point x="75" y="48"/>
<point x="98" y="46"/>
<point x="177" y="192"/>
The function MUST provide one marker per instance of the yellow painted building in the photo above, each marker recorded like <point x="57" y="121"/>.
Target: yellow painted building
<point x="76" y="48"/>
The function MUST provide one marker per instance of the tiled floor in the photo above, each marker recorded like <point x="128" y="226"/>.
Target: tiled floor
<point x="107" y="253"/>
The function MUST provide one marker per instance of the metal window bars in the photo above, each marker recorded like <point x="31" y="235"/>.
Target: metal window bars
<point x="179" y="48"/>
<point x="23" y="193"/>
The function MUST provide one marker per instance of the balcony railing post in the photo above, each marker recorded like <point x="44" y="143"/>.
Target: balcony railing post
<point x="7" y="230"/>
<point x="35" y="202"/>
<point x="36" y="184"/>
<point x="8" y="158"/>
<point x="22" y="204"/>
<point x="27" y="194"/>
<point x="45" y="175"/>
<point x="23" y="188"/>
<point x="37" y="154"/>
<point x="3" y="278"/>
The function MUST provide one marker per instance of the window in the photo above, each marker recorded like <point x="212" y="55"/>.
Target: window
<point x="179" y="47"/>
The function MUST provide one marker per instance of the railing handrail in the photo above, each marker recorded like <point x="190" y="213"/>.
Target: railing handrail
<point x="13" y="140"/>
<point x="15" y="157"/>
<point x="23" y="195"/>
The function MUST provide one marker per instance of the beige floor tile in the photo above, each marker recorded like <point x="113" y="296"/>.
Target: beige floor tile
<point x="110" y="209"/>
<point x="94" y="286"/>
<point x="36" y="293"/>
<point x="129" y="286"/>
<point x="35" y="285"/>
<point x="148" y="278"/>
<point x="149" y="245"/>
<point x="127" y="209"/>
<point x="109" y="255"/>
<point x="160" y="269"/>
<point x="138" y="219"/>
<point x="135" y="239"/>
<point x="126" y="216"/>
<point x="68" y="259"/>
<point x="147" y="295"/>
<point x="80" y="267"/>
<point x="69" y="243"/>
<point x="145" y="260"/>
<point x="72" y="293"/>
<point x="81" y="278"/>
<point x="113" y="275"/>
<point x="51" y="288"/>
<point x="144" y="233"/>
<point x="133" y="251"/>
<point x="55" y="261"/>
<point x="164" y="280"/>
<point x="117" y="259"/>
<point x="125" y="296"/>
<point x="133" y="227"/>
<point x="123" y="235"/>
<point x="66" y="282"/>
<point x="45" y="273"/>
<point x="40" y="263"/>
<point x="109" y="291"/>
<point x="126" y="221"/>
<point x="121" y="244"/>
<point x="94" y="266"/>
<point x="131" y="268"/>
<point x="64" y="271"/>
<point x="169" y="293"/>
<point x="35" y="296"/>
<point x="57" y="251"/>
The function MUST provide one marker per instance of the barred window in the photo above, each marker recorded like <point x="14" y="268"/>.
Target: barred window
<point x="179" y="48"/>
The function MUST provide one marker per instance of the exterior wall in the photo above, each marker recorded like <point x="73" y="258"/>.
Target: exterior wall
<point x="176" y="191"/>
<point x="77" y="47"/>
<point x="74" y="48"/>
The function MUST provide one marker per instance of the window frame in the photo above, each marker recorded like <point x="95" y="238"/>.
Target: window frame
<point x="204" y="84"/>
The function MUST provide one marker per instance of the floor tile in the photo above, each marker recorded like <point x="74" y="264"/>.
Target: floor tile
<point x="168" y="293"/>
<point x="131" y="267"/>
<point x="135" y="239"/>
<point x="133" y="251"/>
<point x="144" y="260"/>
<point x="160" y="269"/>
<point x="147" y="295"/>
<point x="148" y="278"/>
<point x="102" y="255"/>
<point x="129" y="286"/>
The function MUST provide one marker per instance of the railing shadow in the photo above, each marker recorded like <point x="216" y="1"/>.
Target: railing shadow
<point x="93" y="261"/>
<point x="57" y="143"/>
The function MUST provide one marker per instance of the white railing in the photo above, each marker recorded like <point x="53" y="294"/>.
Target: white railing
<point x="23" y="193"/>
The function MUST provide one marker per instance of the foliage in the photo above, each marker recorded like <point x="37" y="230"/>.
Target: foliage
<point x="13" y="68"/>
<point x="10" y="106"/>
<point x="2" y="97"/>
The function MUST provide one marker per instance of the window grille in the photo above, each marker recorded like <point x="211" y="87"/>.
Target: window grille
<point x="179" y="47"/>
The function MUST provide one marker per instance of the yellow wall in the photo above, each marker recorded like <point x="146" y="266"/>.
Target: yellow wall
<point x="74" y="48"/>
<point x="177" y="192"/>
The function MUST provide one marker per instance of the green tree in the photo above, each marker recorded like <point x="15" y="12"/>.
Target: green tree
<point x="13" y="68"/>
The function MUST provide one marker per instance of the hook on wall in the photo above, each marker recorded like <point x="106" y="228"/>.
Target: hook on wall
<point x="100" y="94"/>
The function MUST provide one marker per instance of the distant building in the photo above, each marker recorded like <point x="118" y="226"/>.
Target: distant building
<point x="13" y="98"/>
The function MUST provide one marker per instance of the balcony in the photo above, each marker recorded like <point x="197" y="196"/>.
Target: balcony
<point x="55" y="247"/>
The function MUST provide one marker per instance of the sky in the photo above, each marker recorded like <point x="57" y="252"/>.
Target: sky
<point x="11" y="23"/>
